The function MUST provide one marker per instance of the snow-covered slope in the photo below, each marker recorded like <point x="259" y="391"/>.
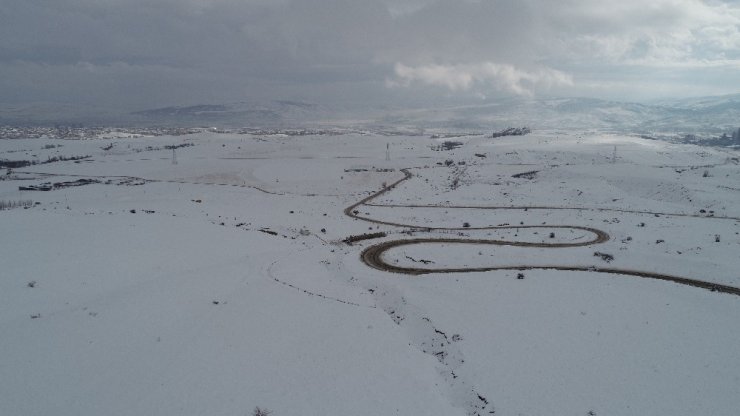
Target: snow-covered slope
<point x="214" y="278"/>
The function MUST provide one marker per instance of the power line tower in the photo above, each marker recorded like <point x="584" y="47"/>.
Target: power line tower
<point x="614" y="155"/>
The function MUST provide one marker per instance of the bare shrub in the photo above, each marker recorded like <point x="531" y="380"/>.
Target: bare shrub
<point x="15" y="204"/>
<point x="604" y="256"/>
<point x="261" y="412"/>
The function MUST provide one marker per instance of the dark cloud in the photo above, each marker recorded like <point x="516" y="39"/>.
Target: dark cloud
<point x="139" y="53"/>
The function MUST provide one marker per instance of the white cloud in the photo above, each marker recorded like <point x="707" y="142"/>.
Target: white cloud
<point x="503" y="77"/>
<point x="633" y="32"/>
<point x="338" y="48"/>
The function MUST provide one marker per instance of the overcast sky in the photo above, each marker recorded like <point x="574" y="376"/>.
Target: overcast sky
<point x="149" y="53"/>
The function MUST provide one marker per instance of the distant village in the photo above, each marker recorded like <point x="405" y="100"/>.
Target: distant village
<point x="80" y="132"/>
<point x="731" y="139"/>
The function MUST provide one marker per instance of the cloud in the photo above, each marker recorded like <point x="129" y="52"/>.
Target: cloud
<point x="503" y="77"/>
<point x="632" y="32"/>
<point x="322" y="50"/>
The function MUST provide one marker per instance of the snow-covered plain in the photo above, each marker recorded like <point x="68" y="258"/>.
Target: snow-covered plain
<point x="220" y="282"/>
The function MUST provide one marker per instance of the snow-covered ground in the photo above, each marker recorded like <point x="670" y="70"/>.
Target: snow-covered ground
<point x="216" y="280"/>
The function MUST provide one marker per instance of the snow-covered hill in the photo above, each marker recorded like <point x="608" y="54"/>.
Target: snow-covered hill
<point x="209" y="274"/>
<point x="268" y="114"/>
<point x="709" y="116"/>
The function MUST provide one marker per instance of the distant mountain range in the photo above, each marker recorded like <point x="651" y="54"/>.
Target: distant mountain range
<point x="698" y="115"/>
<point x="241" y="114"/>
<point x="704" y="115"/>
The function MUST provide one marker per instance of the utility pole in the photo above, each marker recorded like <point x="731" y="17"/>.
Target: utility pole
<point x="387" y="151"/>
<point x="614" y="155"/>
<point x="174" y="157"/>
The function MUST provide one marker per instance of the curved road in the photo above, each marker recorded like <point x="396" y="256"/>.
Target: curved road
<point x="373" y="255"/>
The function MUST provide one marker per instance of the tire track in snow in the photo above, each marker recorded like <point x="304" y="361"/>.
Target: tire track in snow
<point x="271" y="274"/>
<point x="423" y="334"/>
<point x="373" y="255"/>
<point x="432" y="341"/>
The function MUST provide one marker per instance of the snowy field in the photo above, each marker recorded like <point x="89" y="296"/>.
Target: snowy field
<point x="214" y="278"/>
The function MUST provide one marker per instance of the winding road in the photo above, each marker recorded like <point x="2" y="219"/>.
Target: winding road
<point x="373" y="255"/>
